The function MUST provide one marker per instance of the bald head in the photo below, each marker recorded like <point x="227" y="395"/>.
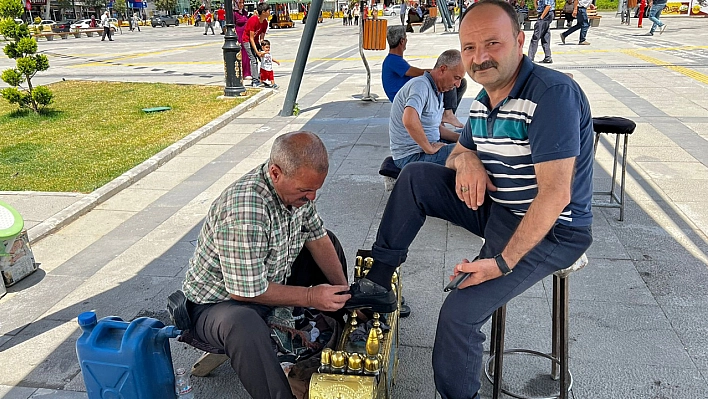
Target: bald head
<point x="296" y="150"/>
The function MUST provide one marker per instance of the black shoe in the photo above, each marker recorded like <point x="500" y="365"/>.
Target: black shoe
<point x="177" y="308"/>
<point x="547" y="61"/>
<point x="367" y="294"/>
<point x="405" y="311"/>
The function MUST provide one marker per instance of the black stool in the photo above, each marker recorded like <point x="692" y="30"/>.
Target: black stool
<point x="617" y="126"/>
<point x="559" y="351"/>
<point x="390" y="173"/>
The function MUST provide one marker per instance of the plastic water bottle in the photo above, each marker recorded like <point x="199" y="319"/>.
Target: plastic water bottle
<point x="183" y="388"/>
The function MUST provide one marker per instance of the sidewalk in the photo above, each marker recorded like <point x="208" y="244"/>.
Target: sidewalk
<point x="638" y="311"/>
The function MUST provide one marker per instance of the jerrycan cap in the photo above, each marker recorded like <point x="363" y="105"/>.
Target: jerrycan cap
<point x="87" y="319"/>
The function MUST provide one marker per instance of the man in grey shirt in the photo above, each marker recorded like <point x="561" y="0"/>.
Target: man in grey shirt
<point x="415" y="131"/>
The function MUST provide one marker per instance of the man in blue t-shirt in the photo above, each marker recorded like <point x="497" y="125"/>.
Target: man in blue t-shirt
<point x="396" y="71"/>
<point x="520" y="177"/>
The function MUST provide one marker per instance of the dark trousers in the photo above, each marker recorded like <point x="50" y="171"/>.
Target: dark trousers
<point x="106" y="31"/>
<point x="240" y="329"/>
<point x="542" y="32"/>
<point x="426" y="189"/>
<point x="452" y="98"/>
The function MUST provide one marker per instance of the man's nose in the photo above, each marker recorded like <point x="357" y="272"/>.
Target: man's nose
<point x="311" y="196"/>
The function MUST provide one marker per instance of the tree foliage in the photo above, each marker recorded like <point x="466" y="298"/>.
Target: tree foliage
<point x="166" y="5"/>
<point x="23" y="49"/>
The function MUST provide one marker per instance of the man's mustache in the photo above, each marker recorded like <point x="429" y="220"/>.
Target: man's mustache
<point x="485" y="65"/>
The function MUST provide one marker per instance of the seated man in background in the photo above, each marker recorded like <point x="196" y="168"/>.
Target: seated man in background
<point x="415" y="129"/>
<point x="396" y="71"/>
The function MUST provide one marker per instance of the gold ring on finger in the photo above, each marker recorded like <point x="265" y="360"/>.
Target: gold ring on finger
<point x="464" y="189"/>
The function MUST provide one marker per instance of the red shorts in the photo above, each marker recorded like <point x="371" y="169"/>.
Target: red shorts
<point x="266" y="75"/>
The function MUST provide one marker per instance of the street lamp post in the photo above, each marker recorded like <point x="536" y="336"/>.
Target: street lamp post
<point x="232" y="56"/>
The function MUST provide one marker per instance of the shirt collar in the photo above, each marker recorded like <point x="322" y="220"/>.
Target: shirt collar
<point x="432" y="82"/>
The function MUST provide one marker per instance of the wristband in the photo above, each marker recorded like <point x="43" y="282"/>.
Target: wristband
<point x="501" y="264"/>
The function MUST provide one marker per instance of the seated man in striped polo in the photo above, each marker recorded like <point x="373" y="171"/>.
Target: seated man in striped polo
<point x="520" y="177"/>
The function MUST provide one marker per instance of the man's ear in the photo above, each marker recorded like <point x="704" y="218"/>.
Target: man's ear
<point x="275" y="172"/>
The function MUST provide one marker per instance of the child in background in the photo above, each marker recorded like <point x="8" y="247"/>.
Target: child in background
<point x="267" y="61"/>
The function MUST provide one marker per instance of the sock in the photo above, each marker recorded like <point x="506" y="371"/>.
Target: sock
<point x="381" y="274"/>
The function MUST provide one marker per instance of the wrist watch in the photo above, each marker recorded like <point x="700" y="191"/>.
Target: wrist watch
<point x="501" y="264"/>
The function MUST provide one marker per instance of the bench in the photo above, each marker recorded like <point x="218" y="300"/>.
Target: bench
<point x="532" y="16"/>
<point x="50" y="35"/>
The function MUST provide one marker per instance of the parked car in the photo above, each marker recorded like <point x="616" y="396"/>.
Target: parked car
<point x="393" y="10"/>
<point x="62" y="26"/>
<point x="45" y="24"/>
<point x="81" y="24"/>
<point x="164" y="20"/>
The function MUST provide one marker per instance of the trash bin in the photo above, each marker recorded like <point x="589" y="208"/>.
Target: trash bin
<point x="11" y="225"/>
<point x="16" y="258"/>
<point x="374" y="34"/>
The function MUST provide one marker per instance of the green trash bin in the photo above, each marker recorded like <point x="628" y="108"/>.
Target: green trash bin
<point x="11" y="225"/>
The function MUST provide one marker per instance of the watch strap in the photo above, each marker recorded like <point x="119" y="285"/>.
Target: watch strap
<point x="501" y="264"/>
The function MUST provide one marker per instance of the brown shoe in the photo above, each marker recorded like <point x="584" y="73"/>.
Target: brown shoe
<point x="585" y="43"/>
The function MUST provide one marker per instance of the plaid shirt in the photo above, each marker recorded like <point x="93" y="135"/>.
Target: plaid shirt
<point x="249" y="238"/>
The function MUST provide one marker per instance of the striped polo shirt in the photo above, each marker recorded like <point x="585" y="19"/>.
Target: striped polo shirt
<point x="545" y="117"/>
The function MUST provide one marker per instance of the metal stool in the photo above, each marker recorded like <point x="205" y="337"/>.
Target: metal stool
<point x="559" y="351"/>
<point x="617" y="126"/>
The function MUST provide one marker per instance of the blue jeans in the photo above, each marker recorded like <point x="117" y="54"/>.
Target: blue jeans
<point x="655" y="14"/>
<point x="425" y="189"/>
<point x="438" y="158"/>
<point x="583" y="24"/>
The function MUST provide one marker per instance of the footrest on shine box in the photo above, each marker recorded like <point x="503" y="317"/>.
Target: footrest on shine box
<point x="365" y="360"/>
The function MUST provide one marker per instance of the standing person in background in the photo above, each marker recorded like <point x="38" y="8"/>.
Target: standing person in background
<point x="253" y="33"/>
<point x="541" y="31"/>
<point x="580" y="11"/>
<point x="208" y="22"/>
<point x="240" y="19"/>
<point x="356" y="14"/>
<point x="350" y="17"/>
<point x="656" y="7"/>
<point x="568" y="11"/>
<point x="404" y="6"/>
<point x="136" y="22"/>
<point x="221" y="17"/>
<point x="92" y="24"/>
<point x="106" y="25"/>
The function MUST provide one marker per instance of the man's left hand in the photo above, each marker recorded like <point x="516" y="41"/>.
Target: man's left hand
<point x="480" y="271"/>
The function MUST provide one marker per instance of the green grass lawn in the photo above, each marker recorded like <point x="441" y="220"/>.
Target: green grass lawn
<point x="95" y="131"/>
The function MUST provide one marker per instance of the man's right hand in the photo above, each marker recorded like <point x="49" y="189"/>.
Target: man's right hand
<point x="324" y="297"/>
<point x="471" y="180"/>
<point x="434" y="148"/>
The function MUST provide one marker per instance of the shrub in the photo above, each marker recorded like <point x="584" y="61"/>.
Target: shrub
<point x="22" y="48"/>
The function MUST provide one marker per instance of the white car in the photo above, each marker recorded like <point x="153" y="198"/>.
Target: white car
<point x="81" y="24"/>
<point x="393" y="10"/>
<point x="45" y="24"/>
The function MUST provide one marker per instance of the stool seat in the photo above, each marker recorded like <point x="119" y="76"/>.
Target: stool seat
<point x="579" y="264"/>
<point x="389" y="169"/>
<point x="613" y="125"/>
<point x="619" y="127"/>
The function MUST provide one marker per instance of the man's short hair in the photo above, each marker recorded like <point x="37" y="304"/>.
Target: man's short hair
<point x="395" y="34"/>
<point x="296" y="150"/>
<point x="449" y="58"/>
<point x="262" y="7"/>
<point x="508" y="8"/>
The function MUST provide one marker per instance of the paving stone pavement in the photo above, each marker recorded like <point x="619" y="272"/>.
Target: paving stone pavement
<point x="638" y="311"/>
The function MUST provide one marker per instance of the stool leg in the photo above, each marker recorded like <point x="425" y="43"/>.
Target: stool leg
<point x="564" y="338"/>
<point x="614" y="169"/>
<point x="594" y="147"/>
<point x="555" y="333"/>
<point x="498" y="342"/>
<point x="624" y="170"/>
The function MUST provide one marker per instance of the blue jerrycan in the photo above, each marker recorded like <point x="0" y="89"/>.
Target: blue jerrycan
<point x="121" y="360"/>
